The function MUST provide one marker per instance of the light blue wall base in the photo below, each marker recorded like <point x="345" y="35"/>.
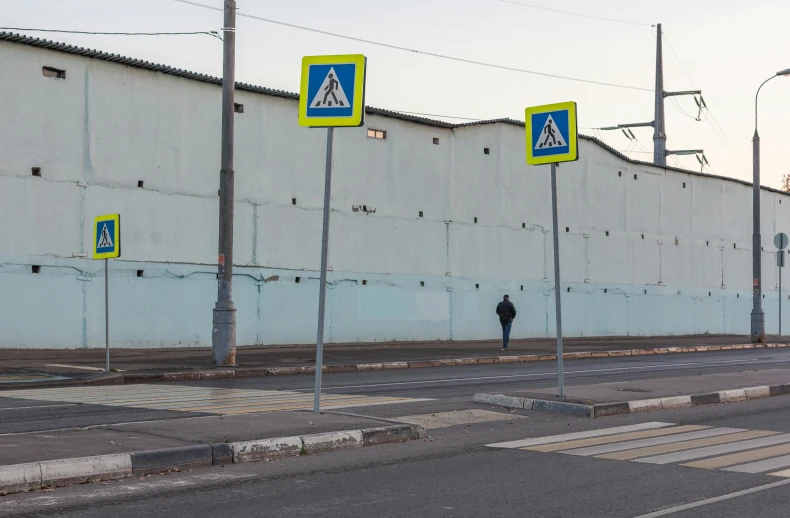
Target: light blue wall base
<point x="171" y="306"/>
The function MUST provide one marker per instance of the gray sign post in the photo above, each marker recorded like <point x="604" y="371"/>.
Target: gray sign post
<point x="780" y="241"/>
<point x="332" y="95"/>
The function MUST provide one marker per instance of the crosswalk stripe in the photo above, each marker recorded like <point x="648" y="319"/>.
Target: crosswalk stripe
<point x="763" y="465"/>
<point x="653" y="441"/>
<point x="524" y="443"/>
<point x="595" y="441"/>
<point x="740" y="458"/>
<point x="688" y="445"/>
<point x="784" y="473"/>
<point x="699" y="453"/>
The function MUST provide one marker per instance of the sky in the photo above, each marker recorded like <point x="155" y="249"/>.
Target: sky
<point x="725" y="48"/>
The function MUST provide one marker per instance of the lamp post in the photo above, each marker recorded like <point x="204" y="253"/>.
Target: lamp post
<point x="758" y="317"/>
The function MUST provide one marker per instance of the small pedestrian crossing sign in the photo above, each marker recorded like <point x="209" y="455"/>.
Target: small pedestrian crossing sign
<point x="107" y="237"/>
<point x="332" y="93"/>
<point x="552" y="135"/>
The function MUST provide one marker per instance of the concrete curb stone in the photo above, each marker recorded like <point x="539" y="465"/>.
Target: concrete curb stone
<point x="76" y="471"/>
<point x="181" y="457"/>
<point x="329" y="441"/>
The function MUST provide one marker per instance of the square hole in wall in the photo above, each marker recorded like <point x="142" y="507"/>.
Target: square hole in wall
<point x="140" y="184"/>
<point x="684" y="185"/>
<point x="238" y="108"/>
<point x="486" y="151"/>
<point x="36" y="268"/>
<point x="707" y="243"/>
<point x="643" y="236"/>
<point x="293" y="201"/>
<point x="140" y="273"/>
<point x="605" y="290"/>
<point x="35" y="171"/>
<point x="738" y="295"/>
<point x="607" y="233"/>
<point x="709" y="294"/>
<point x="422" y="283"/>
<point x="477" y="286"/>
<point x="522" y="288"/>
<point x="645" y="292"/>
<point x="733" y="245"/>
<point x="568" y="290"/>
<point x="435" y="141"/>
<point x="475" y="220"/>
<point x="364" y="208"/>
<point x="567" y="229"/>
<point x="523" y="225"/>
<point x="364" y="282"/>
<point x="298" y="280"/>
<point x="420" y="213"/>
<point x="620" y="173"/>
<point x="634" y="177"/>
<point x="54" y="73"/>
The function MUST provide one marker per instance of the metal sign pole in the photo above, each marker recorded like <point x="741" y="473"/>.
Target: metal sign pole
<point x="107" y="314"/>
<point x="319" y="349"/>
<point x="555" y="224"/>
<point x="781" y="261"/>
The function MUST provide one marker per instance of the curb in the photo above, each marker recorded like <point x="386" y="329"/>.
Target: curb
<point x="191" y="375"/>
<point x="17" y="478"/>
<point x="638" y="405"/>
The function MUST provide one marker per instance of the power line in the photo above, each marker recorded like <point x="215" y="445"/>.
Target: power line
<point x="424" y="53"/>
<point x="575" y="14"/>
<point x="215" y="34"/>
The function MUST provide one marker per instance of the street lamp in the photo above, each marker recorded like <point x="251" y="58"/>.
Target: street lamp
<point x="758" y="317"/>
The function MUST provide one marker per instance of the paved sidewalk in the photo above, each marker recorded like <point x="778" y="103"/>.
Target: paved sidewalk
<point x="69" y="362"/>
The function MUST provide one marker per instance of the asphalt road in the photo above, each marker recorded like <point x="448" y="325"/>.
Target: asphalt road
<point x="452" y="473"/>
<point x="447" y="385"/>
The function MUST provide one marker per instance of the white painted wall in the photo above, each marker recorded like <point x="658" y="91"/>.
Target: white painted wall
<point x="668" y="265"/>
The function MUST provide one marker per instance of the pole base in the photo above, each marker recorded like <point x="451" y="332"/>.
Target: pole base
<point x="758" y="327"/>
<point x="223" y="337"/>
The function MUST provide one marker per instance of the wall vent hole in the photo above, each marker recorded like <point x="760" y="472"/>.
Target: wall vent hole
<point x="607" y="233"/>
<point x="54" y="73"/>
<point x="684" y="185"/>
<point x="486" y="151"/>
<point x="523" y="225"/>
<point x="620" y="173"/>
<point x="522" y="289"/>
<point x="645" y="292"/>
<point x="36" y="268"/>
<point x="364" y="282"/>
<point x="140" y="273"/>
<point x="643" y="236"/>
<point x="605" y="290"/>
<point x="475" y="220"/>
<point x="293" y="201"/>
<point x="420" y="213"/>
<point x="567" y="229"/>
<point x="298" y="280"/>
<point x="140" y="184"/>
<point x="238" y="108"/>
<point x="422" y="283"/>
<point x="569" y="290"/>
<point x="35" y="171"/>
<point x="634" y="177"/>
<point x="477" y="286"/>
<point x="435" y="141"/>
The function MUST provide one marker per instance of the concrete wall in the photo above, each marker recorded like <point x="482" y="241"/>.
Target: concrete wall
<point x="676" y="258"/>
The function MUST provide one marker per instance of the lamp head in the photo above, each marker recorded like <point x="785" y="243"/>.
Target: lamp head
<point x="785" y="72"/>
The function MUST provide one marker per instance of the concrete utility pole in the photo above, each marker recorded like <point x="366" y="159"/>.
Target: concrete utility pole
<point x="659" y="134"/>
<point x="223" y="338"/>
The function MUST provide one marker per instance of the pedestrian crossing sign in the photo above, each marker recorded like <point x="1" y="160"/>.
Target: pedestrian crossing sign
<point x="107" y="236"/>
<point x="552" y="135"/>
<point x="333" y="91"/>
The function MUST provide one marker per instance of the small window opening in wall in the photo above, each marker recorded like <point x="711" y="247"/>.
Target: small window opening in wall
<point x="420" y="213"/>
<point x="523" y="225"/>
<point x="422" y="283"/>
<point x="567" y="229"/>
<point x="35" y="171"/>
<point x="238" y="108"/>
<point x="620" y="173"/>
<point x="298" y="280"/>
<point x="477" y="286"/>
<point x="643" y="236"/>
<point x="607" y="233"/>
<point x="486" y="151"/>
<point x="738" y="295"/>
<point x="377" y="134"/>
<point x="634" y="177"/>
<point x="707" y="243"/>
<point x="140" y="184"/>
<point x="522" y="288"/>
<point x="364" y="282"/>
<point x="36" y="268"/>
<point x="475" y="220"/>
<point x="293" y="201"/>
<point x="140" y="273"/>
<point x="605" y="290"/>
<point x="54" y="73"/>
<point x="684" y="185"/>
<point x="645" y="292"/>
<point x="435" y="141"/>
<point x="733" y="245"/>
<point x="569" y="290"/>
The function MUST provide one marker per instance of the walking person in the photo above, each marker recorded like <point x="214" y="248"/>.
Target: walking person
<point x="507" y="312"/>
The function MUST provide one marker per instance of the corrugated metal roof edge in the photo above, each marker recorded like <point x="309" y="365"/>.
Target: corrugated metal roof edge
<point x="155" y="67"/>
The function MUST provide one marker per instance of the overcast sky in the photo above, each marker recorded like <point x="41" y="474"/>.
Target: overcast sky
<point x="727" y="47"/>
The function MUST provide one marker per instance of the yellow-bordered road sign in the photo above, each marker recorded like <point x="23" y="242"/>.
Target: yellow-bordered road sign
<point x="107" y="236"/>
<point x="552" y="135"/>
<point x="333" y="91"/>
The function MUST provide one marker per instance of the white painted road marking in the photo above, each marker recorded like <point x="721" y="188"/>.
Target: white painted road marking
<point x="579" y="435"/>
<point x="709" y="501"/>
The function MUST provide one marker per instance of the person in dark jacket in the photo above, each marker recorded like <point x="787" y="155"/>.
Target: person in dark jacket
<point x="507" y="312"/>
